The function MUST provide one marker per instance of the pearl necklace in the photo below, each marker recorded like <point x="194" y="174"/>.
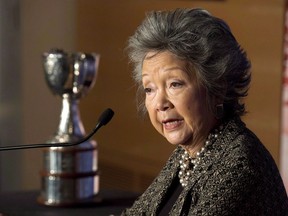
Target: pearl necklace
<point x="188" y="164"/>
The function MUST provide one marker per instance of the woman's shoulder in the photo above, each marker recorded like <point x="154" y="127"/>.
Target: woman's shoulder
<point x="246" y="142"/>
<point x="246" y="149"/>
<point x="238" y="137"/>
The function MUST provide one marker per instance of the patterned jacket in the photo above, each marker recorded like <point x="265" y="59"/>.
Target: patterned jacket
<point x="237" y="176"/>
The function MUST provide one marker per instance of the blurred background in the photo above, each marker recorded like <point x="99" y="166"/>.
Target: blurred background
<point x="131" y="153"/>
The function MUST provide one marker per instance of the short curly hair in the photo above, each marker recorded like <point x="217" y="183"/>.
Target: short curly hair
<point x="206" y="43"/>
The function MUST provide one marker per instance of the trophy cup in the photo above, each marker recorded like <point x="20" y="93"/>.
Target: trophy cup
<point x="70" y="174"/>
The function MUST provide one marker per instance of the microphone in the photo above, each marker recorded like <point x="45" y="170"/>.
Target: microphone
<point x="104" y="118"/>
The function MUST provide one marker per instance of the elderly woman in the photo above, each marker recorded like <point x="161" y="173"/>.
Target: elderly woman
<point x="194" y="75"/>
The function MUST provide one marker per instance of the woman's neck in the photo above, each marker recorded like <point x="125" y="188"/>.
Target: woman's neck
<point x="199" y="139"/>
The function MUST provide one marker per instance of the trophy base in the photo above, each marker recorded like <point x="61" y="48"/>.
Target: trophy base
<point x="91" y="201"/>
<point x="69" y="190"/>
<point x="70" y="176"/>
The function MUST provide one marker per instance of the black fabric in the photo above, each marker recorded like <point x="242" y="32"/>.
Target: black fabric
<point x="173" y="195"/>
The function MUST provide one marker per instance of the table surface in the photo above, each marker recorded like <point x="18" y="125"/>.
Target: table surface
<point x="24" y="203"/>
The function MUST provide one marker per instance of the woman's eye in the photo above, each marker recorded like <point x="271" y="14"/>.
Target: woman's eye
<point x="147" y="90"/>
<point x="176" y="84"/>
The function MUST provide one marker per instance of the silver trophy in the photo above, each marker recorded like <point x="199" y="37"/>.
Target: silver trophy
<point x="70" y="174"/>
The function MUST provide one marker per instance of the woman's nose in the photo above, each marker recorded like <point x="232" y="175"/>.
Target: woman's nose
<point x="162" y="102"/>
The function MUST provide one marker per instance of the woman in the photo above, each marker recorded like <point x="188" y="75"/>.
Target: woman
<point x="194" y="76"/>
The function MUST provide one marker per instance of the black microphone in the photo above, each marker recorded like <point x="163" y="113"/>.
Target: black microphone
<point x="104" y="118"/>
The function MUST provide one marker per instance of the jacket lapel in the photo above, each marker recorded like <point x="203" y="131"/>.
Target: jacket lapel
<point x="164" y="181"/>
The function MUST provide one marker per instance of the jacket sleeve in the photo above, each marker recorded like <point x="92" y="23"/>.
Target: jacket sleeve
<point x="245" y="181"/>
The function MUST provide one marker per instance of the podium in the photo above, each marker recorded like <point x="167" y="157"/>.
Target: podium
<point x="23" y="203"/>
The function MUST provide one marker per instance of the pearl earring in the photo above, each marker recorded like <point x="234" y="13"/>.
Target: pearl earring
<point x="219" y="111"/>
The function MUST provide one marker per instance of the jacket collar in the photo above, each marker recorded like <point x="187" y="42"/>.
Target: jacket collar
<point x="215" y="153"/>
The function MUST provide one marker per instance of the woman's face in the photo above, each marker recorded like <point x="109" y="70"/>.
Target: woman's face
<point x="176" y="104"/>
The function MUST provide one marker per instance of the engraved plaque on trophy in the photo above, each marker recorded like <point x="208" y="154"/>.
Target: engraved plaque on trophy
<point x="70" y="174"/>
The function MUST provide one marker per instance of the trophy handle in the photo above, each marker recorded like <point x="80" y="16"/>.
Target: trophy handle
<point x="84" y="72"/>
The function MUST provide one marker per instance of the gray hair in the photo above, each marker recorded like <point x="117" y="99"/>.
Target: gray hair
<point x="206" y="43"/>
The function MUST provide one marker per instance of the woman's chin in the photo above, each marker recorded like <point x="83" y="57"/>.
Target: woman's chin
<point x="174" y="143"/>
<point x="183" y="142"/>
<point x="178" y="142"/>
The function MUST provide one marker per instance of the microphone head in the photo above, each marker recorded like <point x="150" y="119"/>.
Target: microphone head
<point x="106" y="116"/>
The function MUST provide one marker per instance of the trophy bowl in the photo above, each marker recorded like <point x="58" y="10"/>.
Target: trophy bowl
<point x="73" y="75"/>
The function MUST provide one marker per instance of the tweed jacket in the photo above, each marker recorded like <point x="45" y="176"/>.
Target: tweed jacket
<point x="237" y="176"/>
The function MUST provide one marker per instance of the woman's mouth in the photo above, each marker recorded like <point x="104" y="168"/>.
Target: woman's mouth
<point x="172" y="124"/>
